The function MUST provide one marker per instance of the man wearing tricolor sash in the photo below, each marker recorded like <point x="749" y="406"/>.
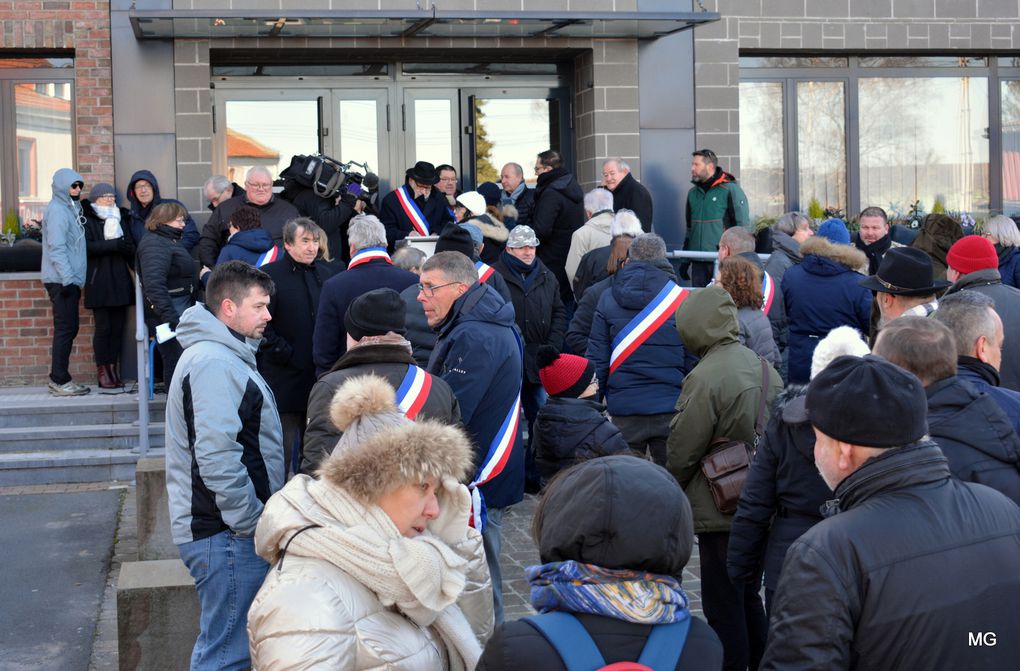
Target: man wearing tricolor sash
<point x="370" y="268"/>
<point x="479" y="352"/>
<point x="376" y="345"/>
<point x="639" y="358"/>
<point x="414" y="208"/>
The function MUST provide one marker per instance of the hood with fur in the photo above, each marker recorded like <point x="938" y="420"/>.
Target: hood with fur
<point x="381" y="449"/>
<point x="491" y="228"/>
<point x="845" y="255"/>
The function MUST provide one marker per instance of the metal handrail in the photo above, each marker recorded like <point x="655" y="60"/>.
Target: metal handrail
<point x="142" y="355"/>
<point x="701" y="256"/>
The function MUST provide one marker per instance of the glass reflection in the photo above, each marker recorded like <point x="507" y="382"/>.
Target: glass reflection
<point x="761" y="147"/>
<point x="1010" y="147"/>
<point x="359" y="132"/>
<point x="821" y="144"/>
<point x="911" y="151"/>
<point x="433" y="139"/>
<point x="268" y="133"/>
<point x="45" y="142"/>
<point x="510" y="131"/>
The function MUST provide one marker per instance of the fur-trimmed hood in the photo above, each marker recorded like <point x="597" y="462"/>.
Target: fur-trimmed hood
<point x="381" y="449"/>
<point x="490" y="227"/>
<point x="845" y="255"/>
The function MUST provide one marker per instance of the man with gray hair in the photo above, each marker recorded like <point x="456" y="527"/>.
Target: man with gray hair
<point x="628" y="193"/>
<point x="641" y="362"/>
<point x="516" y="193"/>
<point x="275" y="213"/>
<point x="218" y="189"/>
<point x="479" y="353"/>
<point x="594" y="266"/>
<point x="409" y="258"/>
<point x="370" y="268"/>
<point x="598" y="209"/>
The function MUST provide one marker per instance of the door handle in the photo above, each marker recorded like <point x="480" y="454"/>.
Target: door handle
<point x="388" y="117"/>
<point x="403" y="117"/>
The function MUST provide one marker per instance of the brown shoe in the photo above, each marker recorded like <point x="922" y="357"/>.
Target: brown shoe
<point x="106" y="380"/>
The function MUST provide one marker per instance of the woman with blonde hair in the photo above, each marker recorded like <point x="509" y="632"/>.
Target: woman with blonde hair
<point x="373" y="564"/>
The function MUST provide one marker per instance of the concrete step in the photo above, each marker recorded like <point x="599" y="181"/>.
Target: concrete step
<point x="34" y="407"/>
<point x="82" y="437"/>
<point x="68" y="466"/>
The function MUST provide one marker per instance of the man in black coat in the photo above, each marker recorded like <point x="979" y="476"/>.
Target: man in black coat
<point x="910" y="563"/>
<point x="370" y="268"/>
<point x="285" y="356"/>
<point x="275" y="213"/>
<point x="540" y="317"/>
<point x="973" y="431"/>
<point x="416" y="208"/>
<point x="628" y="193"/>
<point x="559" y="211"/>
<point x="375" y="346"/>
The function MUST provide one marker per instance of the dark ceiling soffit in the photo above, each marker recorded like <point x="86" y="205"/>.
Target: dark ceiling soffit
<point x="423" y="19"/>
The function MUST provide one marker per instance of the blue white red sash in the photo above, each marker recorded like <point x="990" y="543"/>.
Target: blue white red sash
<point x="369" y="254"/>
<point x="485" y="271"/>
<point x="496" y="458"/>
<point x="413" y="212"/>
<point x="638" y="329"/>
<point x="270" y="255"/>
<point x="413" y="391"/>
<point x="768" y="292"/>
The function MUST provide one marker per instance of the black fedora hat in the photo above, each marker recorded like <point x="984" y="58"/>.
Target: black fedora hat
<point x="423" y="172"/>
<point x="905" y="271"/>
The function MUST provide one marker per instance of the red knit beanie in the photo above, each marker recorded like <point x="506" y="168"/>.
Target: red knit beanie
<point x="972" y="253"/>
<point x="563" y="375"/>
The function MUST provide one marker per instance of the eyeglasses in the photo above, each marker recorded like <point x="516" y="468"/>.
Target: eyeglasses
<point x="447" y="179"/>
<point x="258" y="187"/>
<point x="430" y="290"/>
<point x="77" y="185"/>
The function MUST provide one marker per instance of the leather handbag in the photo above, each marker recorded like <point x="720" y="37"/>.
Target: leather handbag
<point x="728" y="461"/>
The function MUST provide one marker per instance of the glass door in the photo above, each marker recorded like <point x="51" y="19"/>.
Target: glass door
<point x="362" y="133"/>
<point x="430" y="122"/>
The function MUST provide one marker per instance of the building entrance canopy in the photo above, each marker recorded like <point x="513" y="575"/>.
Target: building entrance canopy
<point x="223" y="23"/>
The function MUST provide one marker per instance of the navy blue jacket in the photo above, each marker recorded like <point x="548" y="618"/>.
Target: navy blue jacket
<point x="329" y="340"/>
<point x="479" y="354"/>
<point x="649" y="381"/>
<point x="821" y="293"/>
<point x="975" y="435"/>
<point x="571" y="430"/>
<point x="985" y="379"/>
<point x="398" y="226"/>
<point x="135" y="224"/>
<point x="580" y="324"/>
<point x="247" y="246"/>
<point x="1009" y="265"/>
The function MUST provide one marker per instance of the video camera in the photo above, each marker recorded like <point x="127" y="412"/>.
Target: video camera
<point x="329" y="178"/>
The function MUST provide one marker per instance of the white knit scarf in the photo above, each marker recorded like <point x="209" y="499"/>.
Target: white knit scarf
<point x="111" y="216"/>
<point x="422" y="577"/>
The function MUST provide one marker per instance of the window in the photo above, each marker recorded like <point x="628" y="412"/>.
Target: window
<point x="762" y="176"/>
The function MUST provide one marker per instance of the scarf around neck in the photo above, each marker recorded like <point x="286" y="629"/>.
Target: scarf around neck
<point x="421" y="577"/>
<point x="874" y="251"/>
<point x="111" y="218"/>
<point x="622" y="594"/>
<point x="511" y="198"/>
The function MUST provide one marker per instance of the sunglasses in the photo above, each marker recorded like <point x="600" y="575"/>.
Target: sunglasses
<point x="77" y="185"/>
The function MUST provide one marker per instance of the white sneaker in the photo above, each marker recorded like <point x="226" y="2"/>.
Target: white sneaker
<point x="69" y="388"/>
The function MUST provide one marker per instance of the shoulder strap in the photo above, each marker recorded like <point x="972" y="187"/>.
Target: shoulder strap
<point x="571" y="640"/>
<point x="759" y="423"/>
<point x="665" y="645"/>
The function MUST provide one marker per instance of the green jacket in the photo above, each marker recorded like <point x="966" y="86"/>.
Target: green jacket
<point x="719" y="399"/>
<point x="712" y="206"/>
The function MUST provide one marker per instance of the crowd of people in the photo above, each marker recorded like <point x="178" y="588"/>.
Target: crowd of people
<point x="349" y="418"/>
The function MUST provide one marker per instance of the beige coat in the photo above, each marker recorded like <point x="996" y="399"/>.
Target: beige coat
<point x="594" y="234"/>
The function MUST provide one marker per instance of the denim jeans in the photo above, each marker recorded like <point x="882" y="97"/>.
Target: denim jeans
<point x="228" y="574"/>
<point x="492" y="541"/>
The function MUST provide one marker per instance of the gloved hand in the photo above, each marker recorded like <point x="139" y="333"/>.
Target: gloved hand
<point x="451" y="525"/>
<point x="125" y="246"/>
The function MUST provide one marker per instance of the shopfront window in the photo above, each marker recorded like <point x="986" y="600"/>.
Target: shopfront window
<point x="761" y="159"/>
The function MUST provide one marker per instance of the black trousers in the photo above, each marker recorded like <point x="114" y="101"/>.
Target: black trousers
<point x="65" y="328"/>
<point x="170" y="352"/>
<point x="701" y="273"/>
<point x="646" y="434"/>
<point x="109" y="336"/>
<point x="734" y="611"/>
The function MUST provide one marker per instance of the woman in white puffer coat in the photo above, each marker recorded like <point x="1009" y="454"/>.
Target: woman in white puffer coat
<point x="374" y="565"/>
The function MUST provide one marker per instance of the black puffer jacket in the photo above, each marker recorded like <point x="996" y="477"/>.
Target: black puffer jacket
<point x="782" y="497"/>
<point x="108" y="280"/>
<point x="591" y="270"/>
<point x="571" y="430"/>
<point x="167" y="272"/>
<point x="285" y="358"/>
<point x="579" y="330"/>
<point x="559" y="211"/>
<point x="538" y="311"/>
<point x="386" y="361"/>
<point x="912" y="562"/>
<point x="975" y="434"/>
<point x="597" y="497"/>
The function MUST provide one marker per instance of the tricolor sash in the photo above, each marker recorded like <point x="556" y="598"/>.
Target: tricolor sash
<point x="768" y="292"/>
<point x="413" y="212"/>
<point x="496" y="458"/>
<point x="413" y="391"/>
<point x="368" y="254"/>
<point x="270" y="255"/>
<point x="638" y="329"/>
<point x="485" y="271"/>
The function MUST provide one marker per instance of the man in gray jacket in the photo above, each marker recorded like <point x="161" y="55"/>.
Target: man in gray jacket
<point x="224" y="456"/>
<point x="63" y="274"/>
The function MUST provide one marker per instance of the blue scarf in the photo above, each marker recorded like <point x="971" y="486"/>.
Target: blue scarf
<point x="504" y="199"/>
<point x="622" y="594"/>
<point x="520" y="268"/>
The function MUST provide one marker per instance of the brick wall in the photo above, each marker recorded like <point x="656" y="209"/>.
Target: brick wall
<point x="85" y="27"/>
<point x="27" y="334"/>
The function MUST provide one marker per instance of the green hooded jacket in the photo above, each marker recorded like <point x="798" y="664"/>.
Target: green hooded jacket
<point x="719" y="399"/>
<point x="712" y="206"/>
